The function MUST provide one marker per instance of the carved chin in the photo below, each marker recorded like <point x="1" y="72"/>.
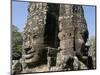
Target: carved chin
<point x="31" y="59"/>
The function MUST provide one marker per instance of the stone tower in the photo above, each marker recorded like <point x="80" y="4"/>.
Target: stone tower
<point x="54" y="38"/>
<point x="73" y="35"/>
<point x="34" y="53"/>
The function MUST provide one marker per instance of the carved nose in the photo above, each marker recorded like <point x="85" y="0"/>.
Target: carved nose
<point x="27" y="46"/>
<point x="27" y="49"/>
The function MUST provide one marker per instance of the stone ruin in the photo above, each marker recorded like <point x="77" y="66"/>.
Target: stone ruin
<point x="55" y="38"/>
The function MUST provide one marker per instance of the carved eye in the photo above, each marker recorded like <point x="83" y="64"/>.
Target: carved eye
<point x="35" y="36"/>
<point x="24" y="38"/>
<point x="74" y="10"/>
<point x="70" y="34"/>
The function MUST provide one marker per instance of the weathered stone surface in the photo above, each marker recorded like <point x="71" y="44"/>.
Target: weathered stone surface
<point x="34" y="53"/>
<point x="55" y="36"/>
<point x="73" y="34"/>
<point x="16" y="67"/>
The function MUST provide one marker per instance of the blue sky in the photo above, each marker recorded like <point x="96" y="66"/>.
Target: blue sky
<point x="90" y="16"/>
<point x="19" y="16"/>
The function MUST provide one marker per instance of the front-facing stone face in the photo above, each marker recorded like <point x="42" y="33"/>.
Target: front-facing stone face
<point x="33" y="43"/>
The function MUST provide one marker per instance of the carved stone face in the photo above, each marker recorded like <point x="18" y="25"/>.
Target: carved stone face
<point x="33" y="48"/>
<point x="33" y="41"/>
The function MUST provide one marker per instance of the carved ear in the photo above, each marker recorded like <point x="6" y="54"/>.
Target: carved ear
<point x="75" y="63"/>
<point x="18" y="68"/>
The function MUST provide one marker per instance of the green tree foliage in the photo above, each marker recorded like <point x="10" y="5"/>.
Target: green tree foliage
<point x="16" y="42"/>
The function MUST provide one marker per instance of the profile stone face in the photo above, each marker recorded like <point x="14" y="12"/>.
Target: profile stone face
<point x="55" y="36"/>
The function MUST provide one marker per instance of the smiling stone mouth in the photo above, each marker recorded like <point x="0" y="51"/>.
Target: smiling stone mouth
<point x="31" y="58"/>
<point x="28" y="56"/>
<point x="30" y="52"/>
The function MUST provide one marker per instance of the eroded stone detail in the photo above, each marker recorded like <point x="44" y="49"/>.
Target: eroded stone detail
<point x="54" y="38"/>
<point x="73" y="36"/>
<point x="33" y="44"/>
